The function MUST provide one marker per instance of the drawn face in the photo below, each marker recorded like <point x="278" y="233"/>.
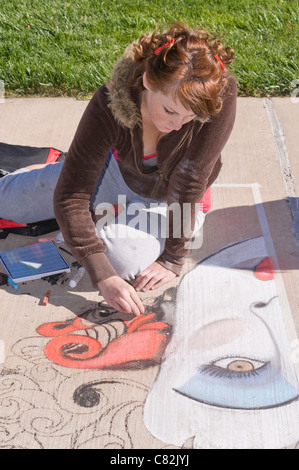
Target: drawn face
<point x="163" y="111"/>
<point x="228" y="367"/>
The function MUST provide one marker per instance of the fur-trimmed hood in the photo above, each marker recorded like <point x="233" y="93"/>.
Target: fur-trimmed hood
<point x="123" y="108"/>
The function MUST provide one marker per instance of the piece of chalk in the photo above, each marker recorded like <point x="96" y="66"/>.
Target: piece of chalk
<point x="77" y="277"/>
<point x="12" y="283"/>
<point x="66" y="251"/>
<point x="46" y="298"/>
<point x="42" y="240"/>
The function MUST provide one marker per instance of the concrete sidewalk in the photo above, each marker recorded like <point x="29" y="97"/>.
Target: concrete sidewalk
<point x="52" y="403"/>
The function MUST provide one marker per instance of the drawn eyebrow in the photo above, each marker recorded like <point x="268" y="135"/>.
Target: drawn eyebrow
<point x="261" y="304"/>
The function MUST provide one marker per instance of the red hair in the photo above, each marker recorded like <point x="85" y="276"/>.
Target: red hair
<point x="187" y="64"/>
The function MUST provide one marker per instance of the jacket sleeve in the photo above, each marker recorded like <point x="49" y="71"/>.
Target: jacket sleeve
<point x="191" y="178"/>
<point x="80" y="173"/>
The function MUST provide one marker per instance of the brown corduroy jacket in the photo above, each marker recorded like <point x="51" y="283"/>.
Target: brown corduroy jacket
<point x="189" y="161"/>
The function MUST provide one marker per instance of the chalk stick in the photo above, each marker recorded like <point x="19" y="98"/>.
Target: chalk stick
<point x="46" y="298"/>
<point x="12" y="283"/>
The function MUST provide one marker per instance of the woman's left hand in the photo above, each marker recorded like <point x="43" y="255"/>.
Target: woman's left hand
<point x="153" y="277"/>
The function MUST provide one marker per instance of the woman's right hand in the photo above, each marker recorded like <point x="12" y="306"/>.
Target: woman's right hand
<point x="120" y="295"/>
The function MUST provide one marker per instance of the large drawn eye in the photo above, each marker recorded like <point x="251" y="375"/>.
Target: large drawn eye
<point x="233" y="367"/>
<point x="238" y="364"/>
<point x="239" y="382"/>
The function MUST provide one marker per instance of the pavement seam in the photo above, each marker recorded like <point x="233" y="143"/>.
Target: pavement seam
<point x="285" y="165"/>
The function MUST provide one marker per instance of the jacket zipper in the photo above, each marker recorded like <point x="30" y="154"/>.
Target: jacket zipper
<point x="157" y="184"/>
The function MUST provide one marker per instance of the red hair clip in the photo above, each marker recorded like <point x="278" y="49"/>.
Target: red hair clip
<point x="165" y="45"/>
<point x="220" y="61"/>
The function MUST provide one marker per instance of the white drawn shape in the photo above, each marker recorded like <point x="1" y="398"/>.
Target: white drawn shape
<point x="227" y="378"/>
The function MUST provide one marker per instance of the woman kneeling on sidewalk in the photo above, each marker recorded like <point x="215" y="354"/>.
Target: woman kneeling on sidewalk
<point x="152" y="135"/>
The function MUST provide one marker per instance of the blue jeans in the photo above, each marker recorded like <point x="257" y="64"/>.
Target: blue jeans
<point x="27" y="196"/>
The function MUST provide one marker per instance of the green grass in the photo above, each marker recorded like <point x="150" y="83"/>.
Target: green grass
<point x="67" y="48"/>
